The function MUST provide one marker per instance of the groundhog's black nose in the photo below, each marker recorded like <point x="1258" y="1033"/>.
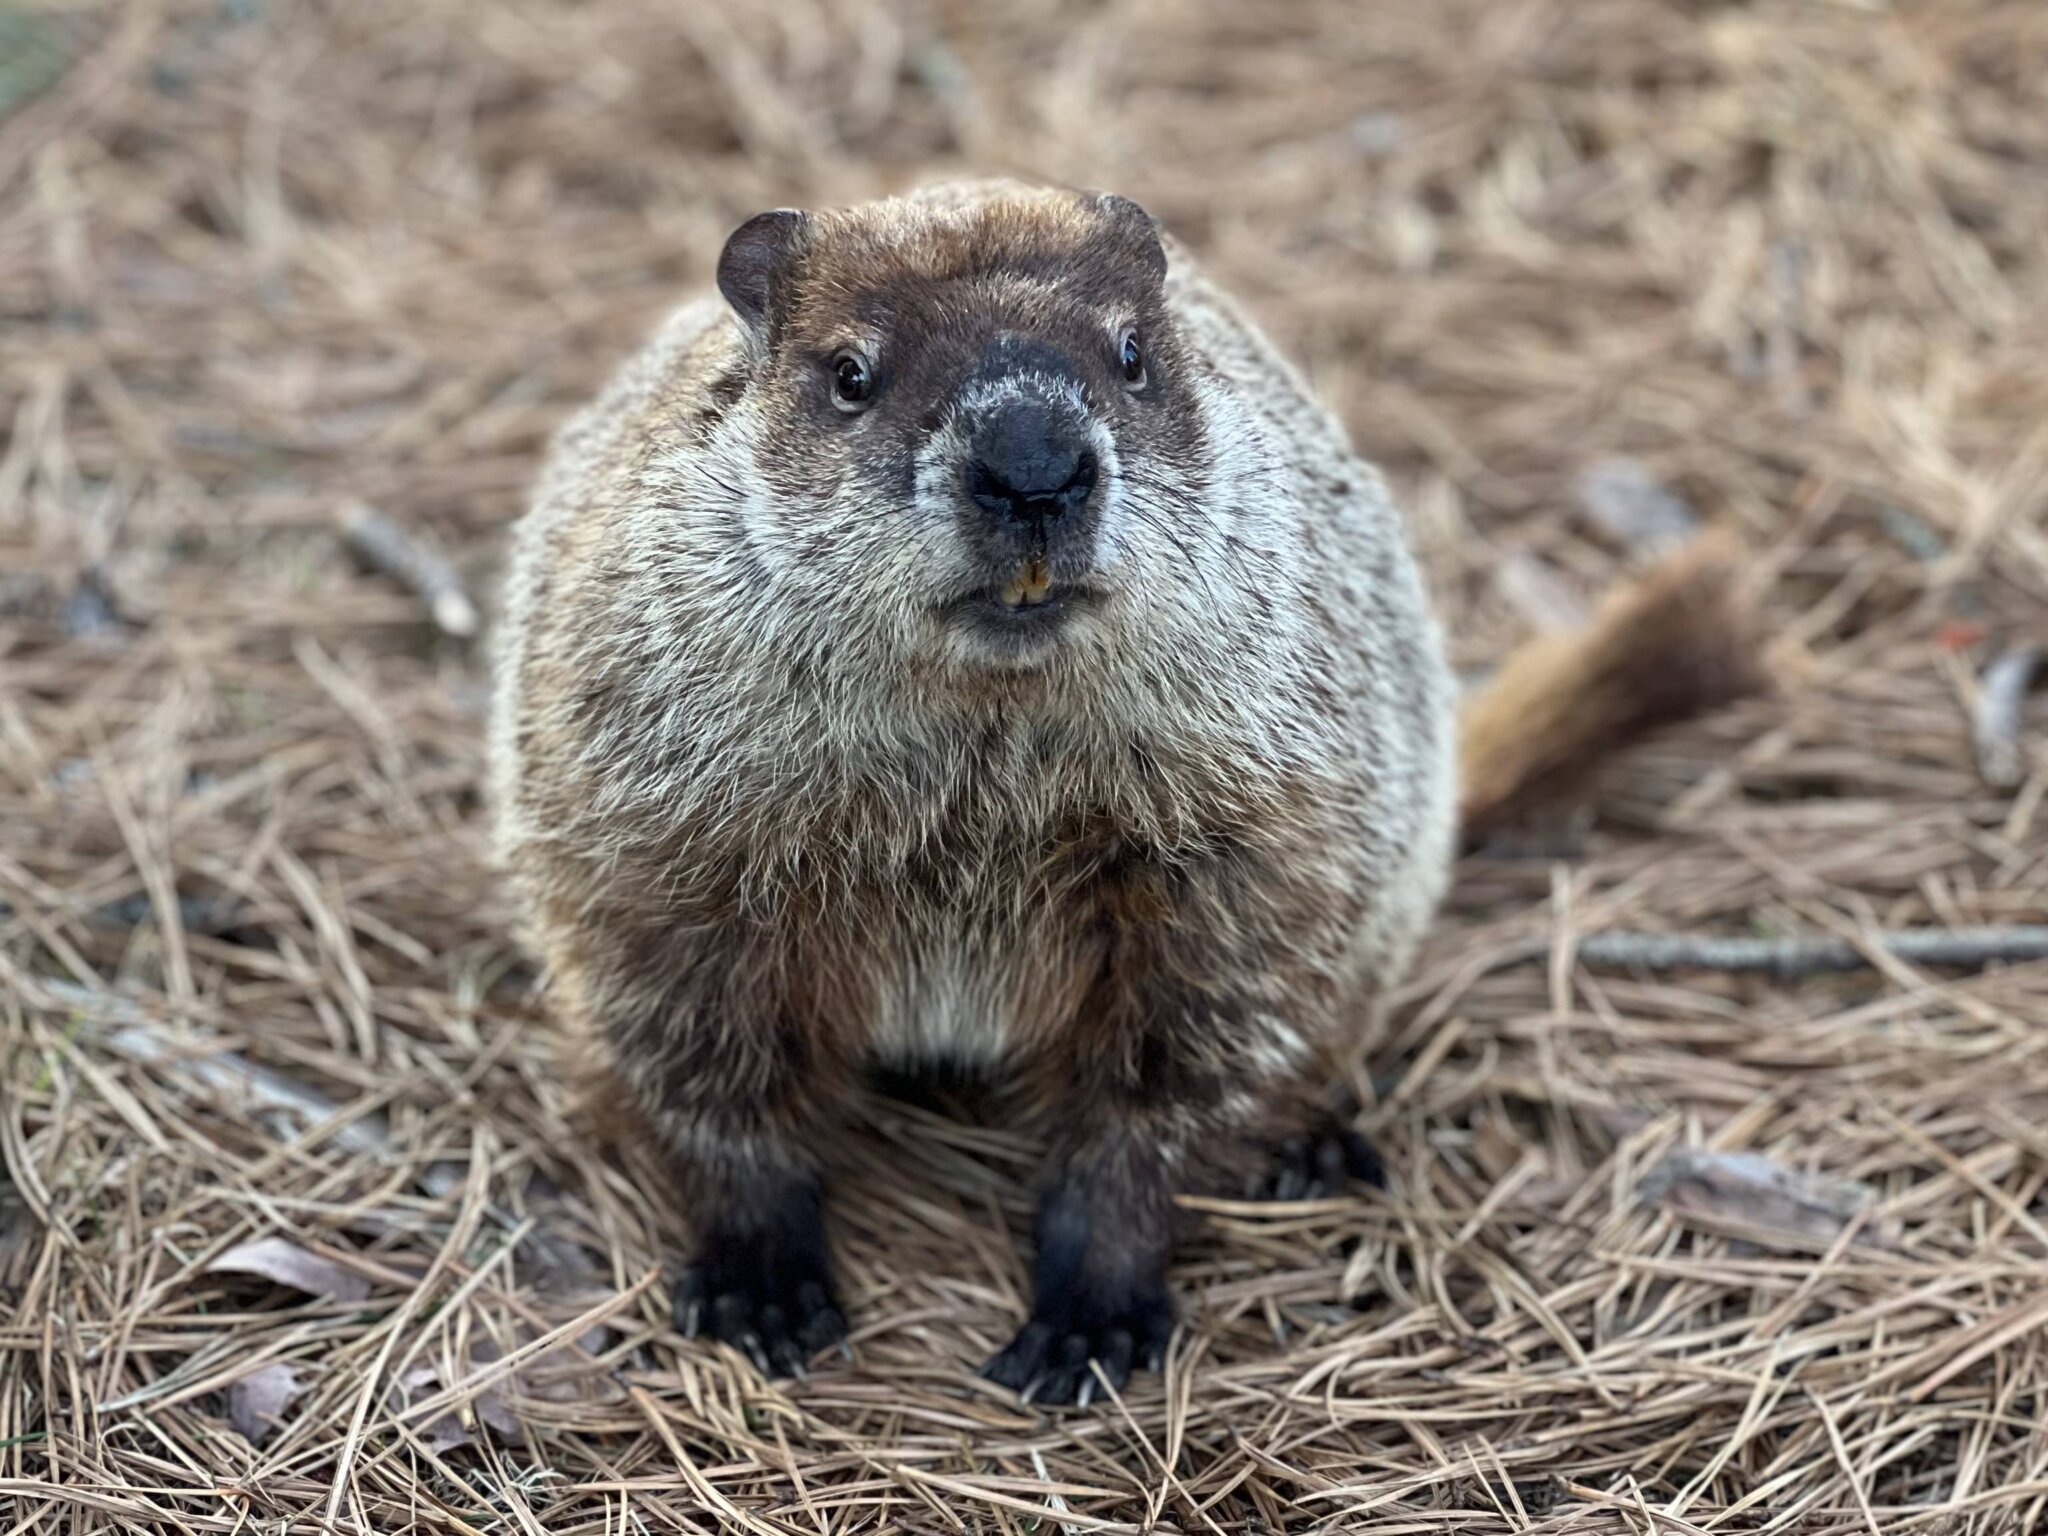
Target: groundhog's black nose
<point x="1029" y="461"/>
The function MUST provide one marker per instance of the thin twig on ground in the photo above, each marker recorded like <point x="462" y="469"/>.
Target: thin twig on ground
<point x="386" y="546"/>
<point x="1789" y="958"/>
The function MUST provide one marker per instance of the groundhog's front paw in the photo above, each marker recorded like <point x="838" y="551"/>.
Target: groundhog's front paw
<point x="1049" y="1360"/>
<point x="769" y="1299"/>
<point x="1316" y="1164"/>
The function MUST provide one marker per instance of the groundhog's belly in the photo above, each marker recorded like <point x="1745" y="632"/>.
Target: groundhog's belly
<point x="969" y="994"/>
<point x="945" y="1002"/>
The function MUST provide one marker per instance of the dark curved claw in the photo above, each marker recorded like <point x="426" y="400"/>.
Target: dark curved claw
<point x="1314" y="1166"/>
<point x="1056" y="1364"/>
<point x="766" y="1290"/>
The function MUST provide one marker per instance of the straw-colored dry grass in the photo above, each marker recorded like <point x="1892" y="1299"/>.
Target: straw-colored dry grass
<point x="257" y="261"/>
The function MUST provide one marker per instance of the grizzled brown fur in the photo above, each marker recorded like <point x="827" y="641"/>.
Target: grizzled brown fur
<point x="969" y="643"/>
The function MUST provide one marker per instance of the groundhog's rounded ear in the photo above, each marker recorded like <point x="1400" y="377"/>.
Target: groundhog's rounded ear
<point x="753" y="254"/>
<point x="1136" y="228"/>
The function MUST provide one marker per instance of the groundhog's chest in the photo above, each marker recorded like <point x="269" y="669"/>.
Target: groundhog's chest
<point x="969" y="964"/>
<point x="967" y="911"/>
<point x="949" y="999"/>
<point x="971" y="936"/>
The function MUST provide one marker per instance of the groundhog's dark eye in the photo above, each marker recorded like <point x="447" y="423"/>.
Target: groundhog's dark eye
<point x="1132" y="356"/>
<point x="852" y="382"/>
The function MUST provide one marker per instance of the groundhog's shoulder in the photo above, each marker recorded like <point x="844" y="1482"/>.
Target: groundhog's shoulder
<point x="679" y="379"/>
<point x="666" y="392"/>
<point x="1223" y="331"/>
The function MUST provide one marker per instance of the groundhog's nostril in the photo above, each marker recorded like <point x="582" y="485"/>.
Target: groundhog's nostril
<point x="1039" y="497"/>
<point x="1030" y="463"/>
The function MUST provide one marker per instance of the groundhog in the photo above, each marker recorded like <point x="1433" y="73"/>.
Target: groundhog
<point x="963" y="640"/>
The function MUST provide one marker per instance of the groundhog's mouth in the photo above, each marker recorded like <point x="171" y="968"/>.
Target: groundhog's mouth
<point x="1021" y="604"/>
<point x="1031" y="587"/>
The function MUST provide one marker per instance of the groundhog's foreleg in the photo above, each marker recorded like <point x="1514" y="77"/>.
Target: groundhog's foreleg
<point x="738" y="1086"/>
<point x="1217" y="1097"/>
<point x="1104" y="1231"/>
<point x="1207" y="1044"/>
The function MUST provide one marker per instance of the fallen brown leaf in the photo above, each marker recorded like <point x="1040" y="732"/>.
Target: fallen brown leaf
<point x="1760" y="1197"/>
<point x="258" y="1400"/>
<point x="284" y="1261"/>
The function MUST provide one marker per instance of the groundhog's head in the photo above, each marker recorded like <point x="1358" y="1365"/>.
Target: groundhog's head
<point x="974" y="416"/>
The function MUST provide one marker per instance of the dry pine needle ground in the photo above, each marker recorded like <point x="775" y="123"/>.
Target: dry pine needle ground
<point x="296" y="1232"/>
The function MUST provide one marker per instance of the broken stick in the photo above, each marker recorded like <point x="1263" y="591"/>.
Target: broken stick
<point x="385" y="546"/>
<point x="1789" y="958"/>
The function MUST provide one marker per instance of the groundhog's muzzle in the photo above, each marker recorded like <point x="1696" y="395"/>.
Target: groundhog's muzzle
<point x="1029" y="482"/>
